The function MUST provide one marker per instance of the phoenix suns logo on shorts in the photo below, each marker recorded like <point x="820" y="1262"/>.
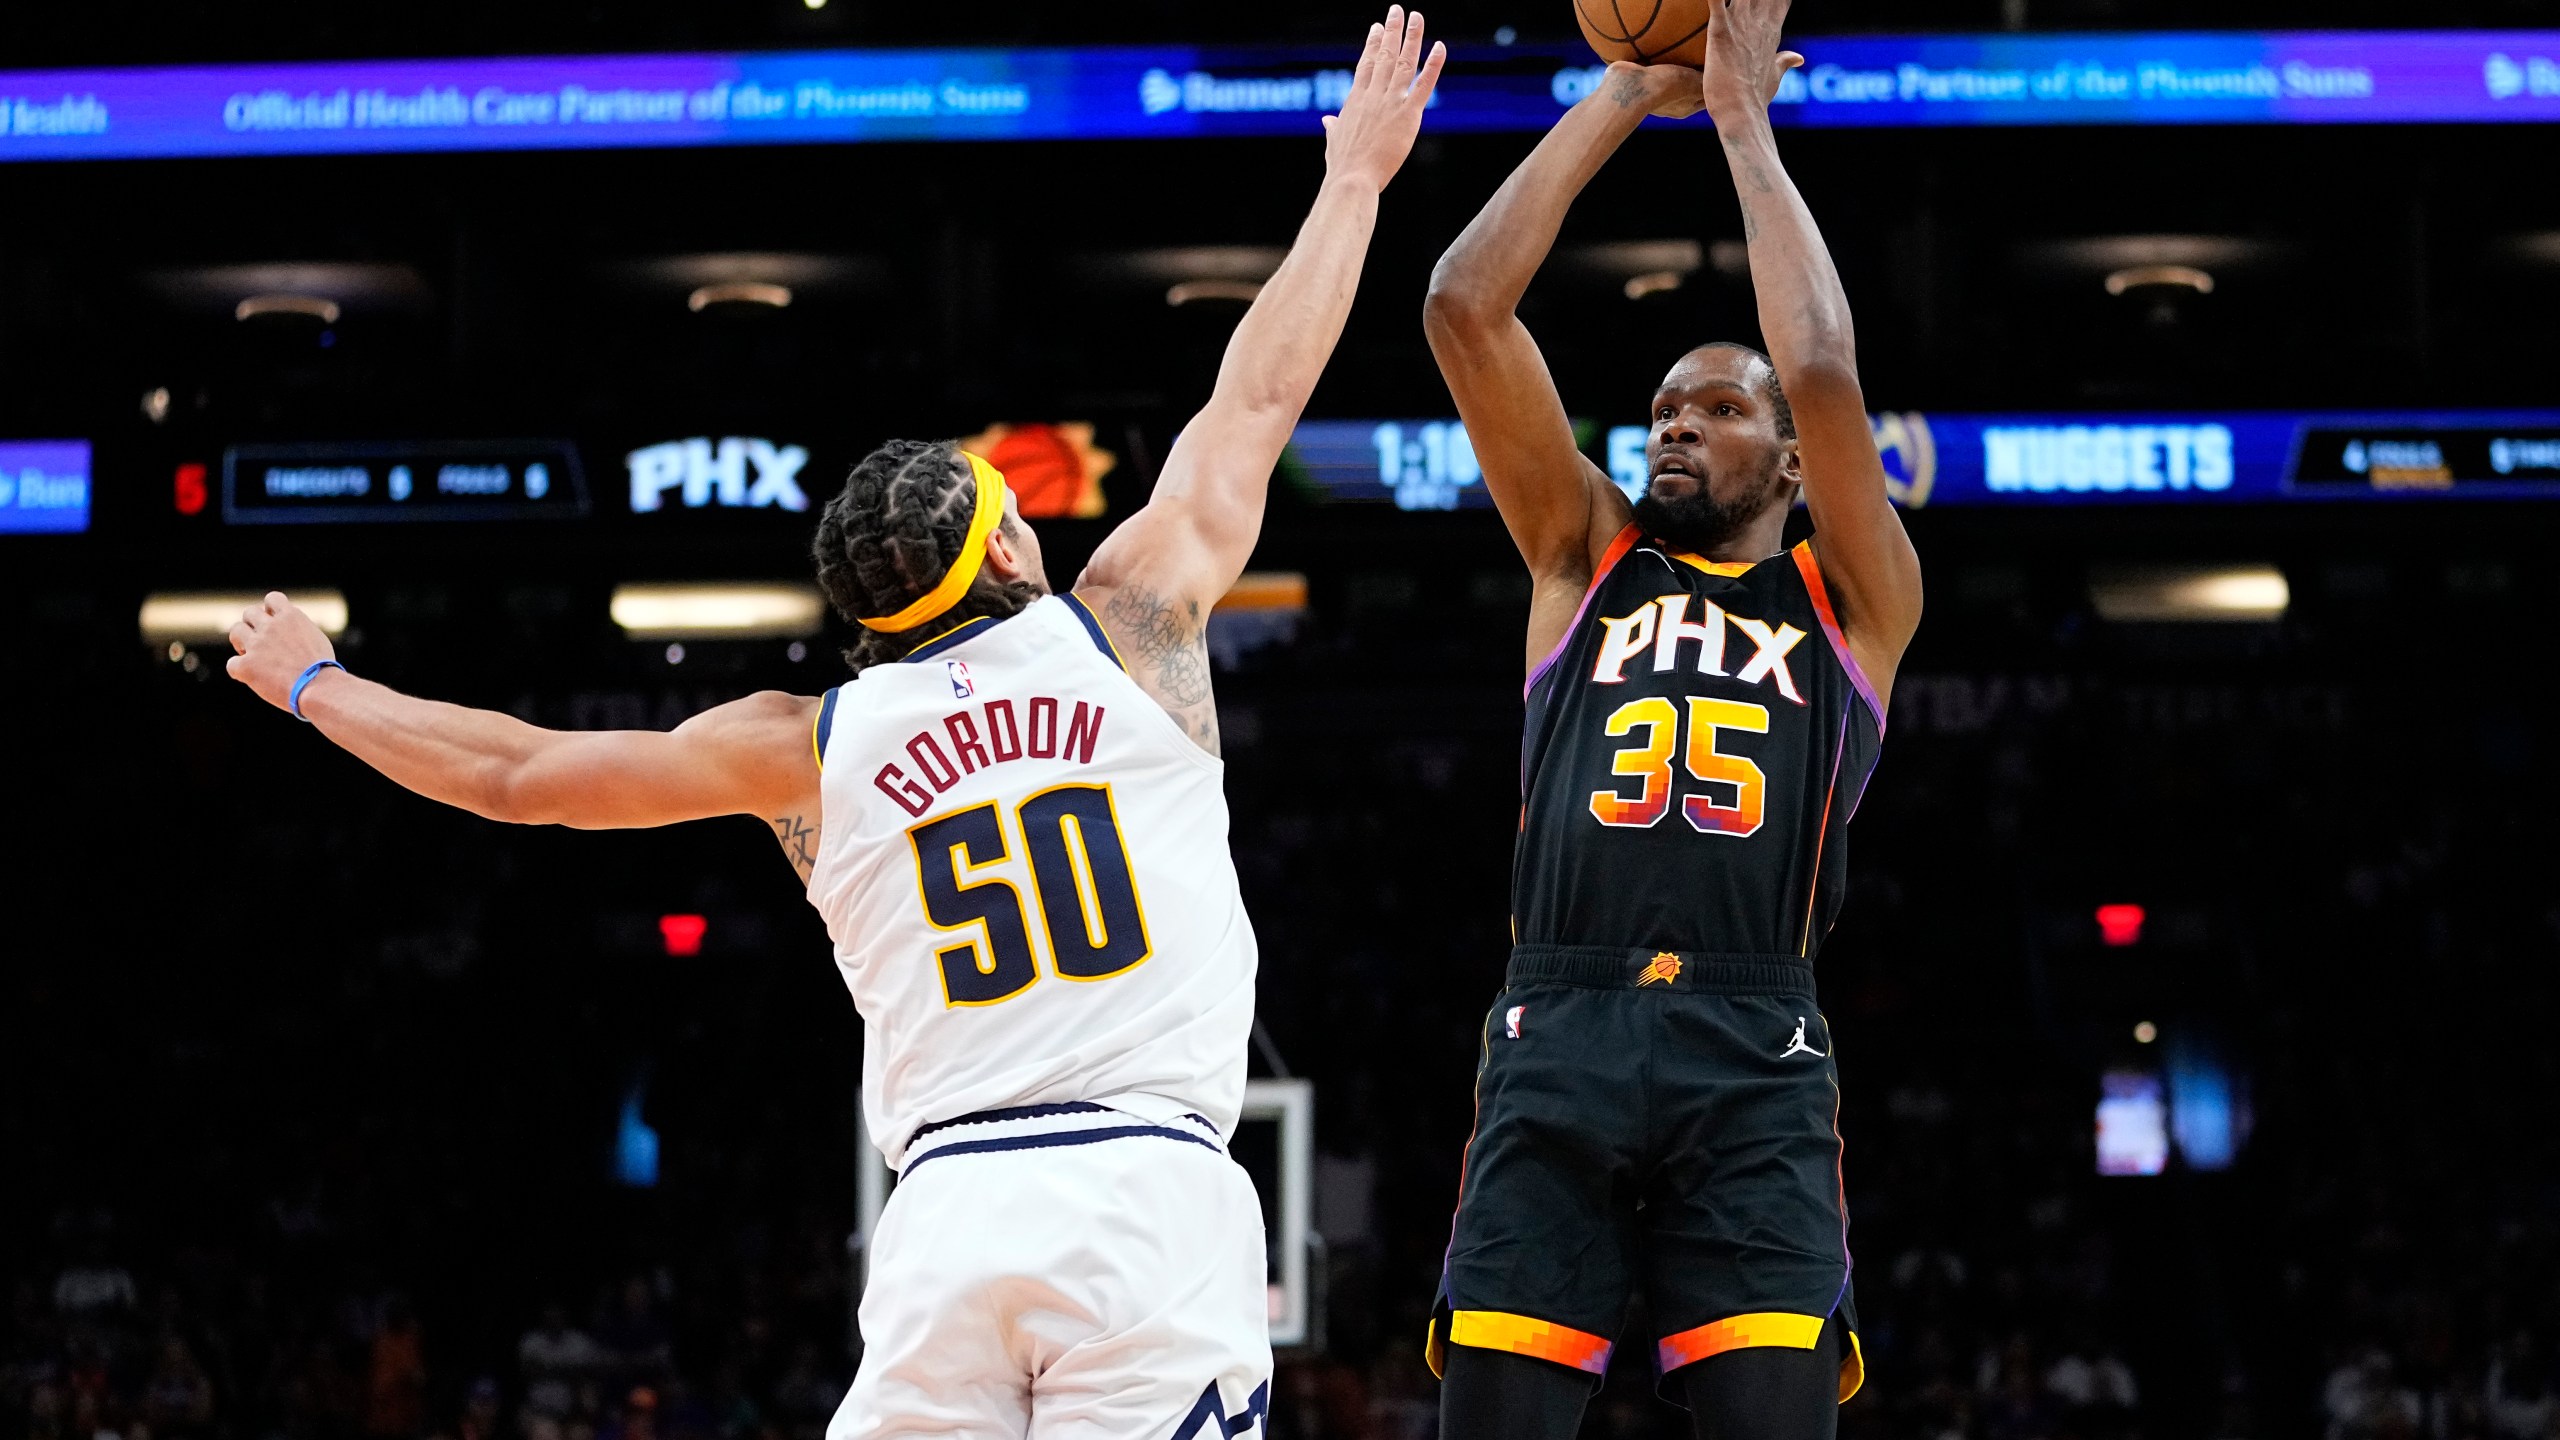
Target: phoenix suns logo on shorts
<point x="1662" y="970"/>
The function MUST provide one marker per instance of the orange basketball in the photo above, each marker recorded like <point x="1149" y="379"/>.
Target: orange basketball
<point x="1649" y="32"/>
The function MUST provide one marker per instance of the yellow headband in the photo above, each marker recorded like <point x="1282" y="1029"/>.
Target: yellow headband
<point x="973" y="554"/>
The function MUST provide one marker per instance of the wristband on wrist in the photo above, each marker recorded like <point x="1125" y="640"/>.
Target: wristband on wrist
<point x="303" y="681"/>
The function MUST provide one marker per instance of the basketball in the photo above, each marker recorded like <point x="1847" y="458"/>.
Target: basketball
<point x="1648" y="32"/>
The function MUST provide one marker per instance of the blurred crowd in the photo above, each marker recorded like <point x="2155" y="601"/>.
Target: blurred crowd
<point x="224" y="1349"/>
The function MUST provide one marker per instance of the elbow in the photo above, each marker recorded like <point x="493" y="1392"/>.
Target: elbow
<point x="500" y="793"/>
<point x="1826" y="350"/>
<point x="1267" y="400"/>
<point x="1458" y="301"/>
<point x="1827" y="372"/>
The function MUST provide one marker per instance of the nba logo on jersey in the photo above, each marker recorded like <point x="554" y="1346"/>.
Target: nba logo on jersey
<point x="1511" y="1021"/>
<point x="962" y="687"/>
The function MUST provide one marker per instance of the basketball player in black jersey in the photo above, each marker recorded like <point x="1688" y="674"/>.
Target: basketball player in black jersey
<point x="1657" y="1106"/>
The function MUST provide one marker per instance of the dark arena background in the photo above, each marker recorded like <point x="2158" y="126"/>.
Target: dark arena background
<point x="2195" y="994"/>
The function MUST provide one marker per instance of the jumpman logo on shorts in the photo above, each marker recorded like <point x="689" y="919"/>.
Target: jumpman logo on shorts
<point x="1797" y="1046"/>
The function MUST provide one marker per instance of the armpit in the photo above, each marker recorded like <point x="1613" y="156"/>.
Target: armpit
<point x="1164" y="641"/>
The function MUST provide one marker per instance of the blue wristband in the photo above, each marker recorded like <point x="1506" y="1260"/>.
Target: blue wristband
<point x="303" y="681"/>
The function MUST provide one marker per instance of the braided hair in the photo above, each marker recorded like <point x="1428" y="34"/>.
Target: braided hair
<point x="891" y="535"/>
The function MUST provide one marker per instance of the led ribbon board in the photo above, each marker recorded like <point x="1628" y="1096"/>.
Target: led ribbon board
<point x="44" y="487"/>
<point x="838" y="96"/>
<point x="2211" y="458"/>
<point x="433" y="480"/>
<point x="1940" y="459"/>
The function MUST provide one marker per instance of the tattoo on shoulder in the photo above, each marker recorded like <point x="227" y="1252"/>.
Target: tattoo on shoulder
<point x="1165" y="643"/>
<point x="799" y="843"/>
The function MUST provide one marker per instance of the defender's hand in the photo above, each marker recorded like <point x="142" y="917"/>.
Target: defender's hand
<point x="276" y="643"/>
<point x="1369" y="140"/>
<point x="1744" y="63"/>
<point x="1674" y="92"/>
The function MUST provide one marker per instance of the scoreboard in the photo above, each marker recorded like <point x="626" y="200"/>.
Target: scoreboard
<point x="2429" y="457"/>
<point x="1938" y="459"/>
<point x="448" y="480"/>
<point x="744" y="485"/>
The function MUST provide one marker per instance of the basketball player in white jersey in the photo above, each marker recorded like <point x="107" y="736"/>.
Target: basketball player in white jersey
<point x="1012" y="820"/>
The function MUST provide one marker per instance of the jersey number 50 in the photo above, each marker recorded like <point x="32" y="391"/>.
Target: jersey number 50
<point x="1079" y="867"/>
<point x="1707" y="813"/>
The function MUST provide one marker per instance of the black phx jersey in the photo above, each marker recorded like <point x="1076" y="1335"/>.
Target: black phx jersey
<point x="1657" y="1111"/>
<point x="1693" y="753"/>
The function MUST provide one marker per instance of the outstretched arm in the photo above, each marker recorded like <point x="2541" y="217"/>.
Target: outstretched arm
<point x="1562" y="510"/>
<point x="1157" y="577"/>
<point x="749" y="757"/>
<point x="1868" y="564"/>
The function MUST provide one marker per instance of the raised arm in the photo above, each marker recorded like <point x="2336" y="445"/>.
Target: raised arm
<point x="749" y="757"/>
<point x="1868" y="564"/>
<point x="1156" y="579"/>
<point x="1562" y="510"/>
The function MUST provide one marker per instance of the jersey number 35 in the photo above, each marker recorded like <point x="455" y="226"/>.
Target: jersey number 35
<point x="1707" y="812"/>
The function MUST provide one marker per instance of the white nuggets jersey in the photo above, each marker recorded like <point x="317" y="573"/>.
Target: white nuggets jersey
<point x="1024" y="867"/>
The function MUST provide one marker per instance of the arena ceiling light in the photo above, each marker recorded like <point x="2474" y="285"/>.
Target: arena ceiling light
<point x="718" y="612"/>
<point x="2190" y="593"/>
<point x="317" y="307"/>
<point x="246" y="292"/>
<point x="800" y="269"/>
<point x="1191" y="292"/>
<point x="1177" y="263"/>
<point x="772" y="278"/>
<point x="738" y="292"/>
<point x="1621" y="261"/>
<point x="2171" y="277"/>
<point x="2541" y="248"/>
<point x="201" y="617"/>
<point x="2134" y="255"/>
<point x="1188" y="274"/>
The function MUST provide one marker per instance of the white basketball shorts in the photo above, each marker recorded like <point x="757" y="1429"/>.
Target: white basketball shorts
<point x="1065" y="1272"/>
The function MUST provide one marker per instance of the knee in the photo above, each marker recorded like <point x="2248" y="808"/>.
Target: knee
<point x="1767" y="1392"/>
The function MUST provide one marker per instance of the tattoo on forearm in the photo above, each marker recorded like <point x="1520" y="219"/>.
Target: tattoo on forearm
<point x="799" y="842"/>
<point x="1750" y="177"/>
<point x="1166" y="646"/>
<point x="1627" y="90"/>
<point x="1750" y="171"/>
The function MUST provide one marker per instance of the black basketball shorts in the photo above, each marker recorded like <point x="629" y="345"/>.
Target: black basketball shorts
<point x="1657" y="1124"/>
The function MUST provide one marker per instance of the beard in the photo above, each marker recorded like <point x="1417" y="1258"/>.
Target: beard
<point x="1700" y="523"/>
